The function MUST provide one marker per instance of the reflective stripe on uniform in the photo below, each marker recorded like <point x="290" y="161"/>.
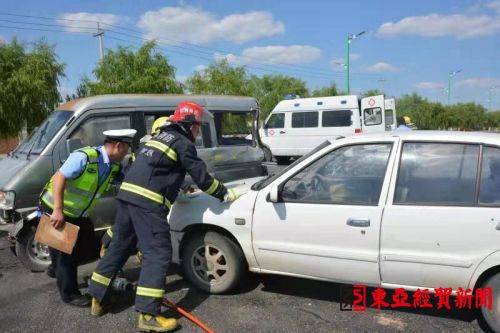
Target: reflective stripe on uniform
<point x="150" y="292"/>
<point x="163" y="148"/>
<point x="101" y="279"/>
<point x="156" y="197"/>
<point x="110" y="233"/>
<point x="213" y="187"/>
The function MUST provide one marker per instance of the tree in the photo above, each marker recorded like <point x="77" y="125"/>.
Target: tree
<point x="373" y="92"/>
<point x="330" y="90"/>
<point x="220" y="78"/>
<point x="270" y="89"/>
<point x="126" y="71"/>
<point x="28" y="85"/>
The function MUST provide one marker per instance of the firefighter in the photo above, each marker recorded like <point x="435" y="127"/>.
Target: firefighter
<point x="70" y="195"/>
<point x="146" y="195"/>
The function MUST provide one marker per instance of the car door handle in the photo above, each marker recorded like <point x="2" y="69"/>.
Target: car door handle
<point x="282" y="132"/>
<point x="358" y="222"/>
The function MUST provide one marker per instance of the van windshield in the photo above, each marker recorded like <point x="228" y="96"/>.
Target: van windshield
<point x="42" y="135"/>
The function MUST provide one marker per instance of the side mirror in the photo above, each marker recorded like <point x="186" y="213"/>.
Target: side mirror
<point x="273" y="195"/>
<point x="73" y="144"/>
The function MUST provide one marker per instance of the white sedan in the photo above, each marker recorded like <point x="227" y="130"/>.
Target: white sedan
<point x="413" y="210"/>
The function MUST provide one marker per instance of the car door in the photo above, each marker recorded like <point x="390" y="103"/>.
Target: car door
<point x="438" y="224"/>
<point x="372" y="114"/>
<point x="326" y="223"/>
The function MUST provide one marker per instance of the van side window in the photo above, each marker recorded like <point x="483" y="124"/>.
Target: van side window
<point x="304" y="119"/>
<point x="90" y="131"/>
<point x="277" y="120"/>
<point x="350" y="175"/>
<point x="436" y="174"/>
<point x="489" y="190"/>
<point x="233" y="128"/>
<point x="336" y="118"/>
<point x="149" y="120"/>
<point x="389" y="119"/>
<point x="373" y="116"/>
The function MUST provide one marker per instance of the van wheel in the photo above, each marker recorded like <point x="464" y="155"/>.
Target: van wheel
<point x="282" y="159"/>
<point x="33" y="255"/>
<point x="492" y="317"/>
<point x="268" y="156"/>
<point x="213" y="262"/>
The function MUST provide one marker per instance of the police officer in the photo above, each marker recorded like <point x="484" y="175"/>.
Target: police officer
<point x="149" y="189"/>
<point x="70" y="195"/>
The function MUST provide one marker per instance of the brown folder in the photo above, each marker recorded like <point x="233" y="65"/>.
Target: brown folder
<point x="62" y="239"/>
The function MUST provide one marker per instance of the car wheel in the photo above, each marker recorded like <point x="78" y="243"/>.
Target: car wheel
<point x="213" y="262"/>
<point x="268" y="156"/>
<point x="492" y="317"/>
<point x="33" y="255"/>
<point x="282" y="159"/>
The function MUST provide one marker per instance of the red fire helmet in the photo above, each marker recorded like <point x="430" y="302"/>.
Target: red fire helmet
<point x="190" y="112"/>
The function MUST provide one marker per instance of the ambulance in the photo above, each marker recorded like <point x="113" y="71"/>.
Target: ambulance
<point x="295" y="126"/>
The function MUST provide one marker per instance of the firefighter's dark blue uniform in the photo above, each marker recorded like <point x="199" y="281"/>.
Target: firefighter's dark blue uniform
<point x="144" y="200"/>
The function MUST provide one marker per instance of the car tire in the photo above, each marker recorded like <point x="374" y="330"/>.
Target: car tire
<point x="492" y="317"/>
<point x="268" y="155"/>
<point x="282" y="160"/>
<point x="204" y="274"/>
<point x="33" y="255"/>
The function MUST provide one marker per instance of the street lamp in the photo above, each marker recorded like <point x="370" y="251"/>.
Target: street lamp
<point x="450" y="76"/>
<point x="381" y="81"/>
<point x="490" y="96"/>
<point x="350" y="37"/>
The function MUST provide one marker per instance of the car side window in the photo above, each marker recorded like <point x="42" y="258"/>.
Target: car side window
<point x="277" y="120"/>
<point x="489" y="190"/>
<point x="90" y="131"/>
<point x="350" y="175"/>
<point x="304" y="119"/>
<point x="373" y="116"/>
<point x="437" y="174"/>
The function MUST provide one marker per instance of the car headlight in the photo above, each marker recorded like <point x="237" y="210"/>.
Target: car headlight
<point x="7" y="200"/>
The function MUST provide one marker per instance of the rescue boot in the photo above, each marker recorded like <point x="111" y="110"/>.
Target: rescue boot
<point x="150" y="323"/>
<point x="97" y="309"/>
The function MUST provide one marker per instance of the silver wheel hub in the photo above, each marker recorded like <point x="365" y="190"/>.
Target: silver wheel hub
<point x="38" y="250"/>
<point x="209" y="264"/>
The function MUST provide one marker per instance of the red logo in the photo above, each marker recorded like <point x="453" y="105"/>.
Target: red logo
<point x="371" y="101"/>
<point x="271" y="132"/>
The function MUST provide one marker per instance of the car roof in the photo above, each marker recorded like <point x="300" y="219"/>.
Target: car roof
<point x="212" y="103"/>
<point x="435" y="136"/>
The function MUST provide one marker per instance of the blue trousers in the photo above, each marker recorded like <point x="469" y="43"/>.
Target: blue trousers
<point x="150" y="232"/>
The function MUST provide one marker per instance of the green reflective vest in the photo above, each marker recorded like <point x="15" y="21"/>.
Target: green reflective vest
<point x="81" y="193"/>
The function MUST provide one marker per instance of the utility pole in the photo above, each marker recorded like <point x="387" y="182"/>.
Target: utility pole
<point x="450" y="76"/>
<point x="381" y="81"/>
<point x="490" y="97"/>
<point x="349" y="39"/>
<point x="100" y="34"/>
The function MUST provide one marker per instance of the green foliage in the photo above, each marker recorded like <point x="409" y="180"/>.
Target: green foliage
<point x="433" y="116"/>
<point x="373" y="92"/>
<point x="126" y="71"/>
<point x="270" y="89"/>
<point x="28" y="85"/>
<point x="330" y="90"/>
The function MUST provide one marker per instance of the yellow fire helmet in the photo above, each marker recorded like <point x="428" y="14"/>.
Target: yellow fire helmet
<point x="157" y="124"/>
<point x="407" y="120"/>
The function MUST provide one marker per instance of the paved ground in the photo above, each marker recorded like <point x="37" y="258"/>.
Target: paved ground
<point x="29" y="303"/>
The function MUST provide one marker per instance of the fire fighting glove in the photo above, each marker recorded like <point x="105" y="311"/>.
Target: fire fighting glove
<point x="232" y="195"/>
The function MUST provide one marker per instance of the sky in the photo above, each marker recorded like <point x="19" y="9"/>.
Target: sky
<point x="408" y="46"/>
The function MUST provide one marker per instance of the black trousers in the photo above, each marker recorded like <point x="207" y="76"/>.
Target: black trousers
<point x="150" y="232"/>
<point x="66" y="265"/>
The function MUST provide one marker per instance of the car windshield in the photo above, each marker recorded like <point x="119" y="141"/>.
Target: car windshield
<point x="270" y="178"/>
<point x="41" y="136"/>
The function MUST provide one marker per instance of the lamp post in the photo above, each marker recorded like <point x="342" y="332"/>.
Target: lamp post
<point x="450" y="76"/>
<point x="490" y="97"/>
<point x="350" y="37"/>
<point x="381" y="81"/>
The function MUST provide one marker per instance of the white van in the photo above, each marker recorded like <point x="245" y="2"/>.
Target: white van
<point x="296" y="126"/>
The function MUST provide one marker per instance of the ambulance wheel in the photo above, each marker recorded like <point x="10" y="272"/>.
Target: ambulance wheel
<point x="33" y="255"/>
<point x="492" y="317"/>
<point x="213" y="262"/>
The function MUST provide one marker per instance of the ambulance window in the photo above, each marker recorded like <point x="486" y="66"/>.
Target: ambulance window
<point x="389" y="119"/>
<point x="373" y="116"/>
<point x="277" y="120"/>
<point x="336" y="118"/>
<point x="304" y="119"/>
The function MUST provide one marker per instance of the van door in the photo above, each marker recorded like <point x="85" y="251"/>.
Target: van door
<point x="390" y="114"/>
<point x="372" y="114"/>
<point x="274" y="132"/>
